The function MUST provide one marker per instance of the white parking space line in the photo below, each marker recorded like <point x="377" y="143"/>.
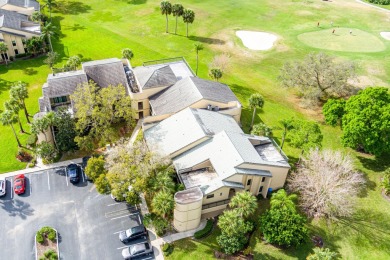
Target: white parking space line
<point x="48" y="180"/>
<point x="117" y="232"/>
<point x="122" y="247"/>
<point x="82" y="174"/>
<point x="29" y="179"/>
<point x="112" y="204"/>
<point x="127" y="215"/>
<point x="139" y="217"/>
<point x="66" y="177"/>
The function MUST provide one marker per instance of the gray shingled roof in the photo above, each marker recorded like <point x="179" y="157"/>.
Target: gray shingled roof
<point x="106" y="72"/>
<point x="188" y="91"/>
<point x="151" y="77"/>
<point x="21" y="3"/>
<point x="13" y="20"/>
<point x="63" y="84"/>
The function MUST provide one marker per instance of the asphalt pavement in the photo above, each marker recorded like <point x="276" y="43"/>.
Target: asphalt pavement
<point x="88" y="223"/>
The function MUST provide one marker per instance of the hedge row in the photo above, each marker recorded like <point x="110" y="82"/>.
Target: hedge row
<point x="380" y="2"/>
<point x="204" y="232"/>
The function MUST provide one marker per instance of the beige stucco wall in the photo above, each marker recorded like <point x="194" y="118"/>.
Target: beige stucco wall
<point x="217" y="195"/>
<point x="187" y="216"/>
<point x="236" y="178"/>
<point x="49" y="136"/>
<point x="215" y="209"/>
<point x="8" y="38"/>
<point x="19" y="9"/>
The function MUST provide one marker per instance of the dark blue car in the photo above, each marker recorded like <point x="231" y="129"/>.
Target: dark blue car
<point x="74" y="173"/>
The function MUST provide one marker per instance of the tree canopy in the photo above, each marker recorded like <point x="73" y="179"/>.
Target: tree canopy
<point x="333" y="111"/>
<point x="305" y="135"/>
<point x="319" y="77"/>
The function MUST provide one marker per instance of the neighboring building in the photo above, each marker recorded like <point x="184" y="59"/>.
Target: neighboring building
<point x="58" y="88"/>
<point x="214" y="159"/>
<point x="15" y="25"/>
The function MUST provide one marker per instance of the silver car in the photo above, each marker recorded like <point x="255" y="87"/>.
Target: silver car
<point x="3" y="186"/>
<point x="137" y="250"/>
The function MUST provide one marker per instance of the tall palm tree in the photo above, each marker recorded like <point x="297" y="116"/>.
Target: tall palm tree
<point x="244" y="203"/>
<point x="255" y="101"/>
<point x="127" y="54"/>
<point x="51" y="59"/>
<point x="281" y="199"/>
<point x="163" y="204"/>
<point x="177" y="10"/>
<point x="163" y="182"/>
<point x="8" y="118"/>
<point x="40" y="125"/>
<point x="188" y="17"/>
<point x="19" y="93"/>
<point x="3" y="50"/>
<point x="12" y="105"/>
<point x="166" y="8"/>
<point x="49" y="4"/>
<point x="49" y="31"/>
<point x="198" y="47"/>
<point x="286" y="125"/>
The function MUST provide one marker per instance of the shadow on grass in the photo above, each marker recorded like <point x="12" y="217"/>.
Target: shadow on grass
<point x="30" y="71"/>
<point x="5" y="85"/>
<point x="376" y="164"/>
<point x="72" y="7"/>
<point x="133" y="2"/>
<point x="206" y="40"/>
<point x="75" y="27"/>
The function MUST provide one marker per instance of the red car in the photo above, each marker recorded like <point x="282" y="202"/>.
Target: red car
<point x="19" y="184"/>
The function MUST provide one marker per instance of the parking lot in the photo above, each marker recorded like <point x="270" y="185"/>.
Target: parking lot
<point x="88" y="223"/>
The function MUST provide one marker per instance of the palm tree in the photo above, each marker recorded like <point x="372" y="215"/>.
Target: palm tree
<point x="177" y="10"/>
<point x="163" y="182"/>
<point x="166" y="8"/>
<point x="163" y="204"/>
<point x="127" y="54"/>
<point x="188" y="17"/>
<point x="286" y="125"/>
<point x="198" y="47"/>
<point x="19" y="93"/>
<point x="3" y="51"/>
<point x="73" y="62"/>
<point x="244" y="203"/>
<point x="12" y="105"/>
<point x="281" y="199"/>
<point x="49" y="4"/>
<point x="8" y="118"/>
<point x="34" y="45"/>
<point x="255" y="101"/>
<point x="215" y="74"/>
<point x="52" y="58"/>
<point x="48" y="31"/>
<point x="40" y="125"/>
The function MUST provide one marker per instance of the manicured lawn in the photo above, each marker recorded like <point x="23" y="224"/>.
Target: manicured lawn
<point x="96" y="29"/>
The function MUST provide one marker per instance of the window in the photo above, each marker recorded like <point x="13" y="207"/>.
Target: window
<point x="263" y="179"/>
<point x="261" y="189"/>
<point x="13" y="43"/>
<point x="210" y="196"/>
<point x="249" y="182"/>
<point x="16" y="52"/>
<point x="25" y="50"/>
<point x="220" y="194"/>
<point x="140" y="105"/>
<point x="62" y="99"/>
<point x="140" y="115"/>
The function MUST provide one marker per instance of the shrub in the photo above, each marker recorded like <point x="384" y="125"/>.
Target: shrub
<point x="52" y="235"/>
<point x="40" y="238"/>
<point x="31" y="140"/>
<point x="23" y="156"/>
<point x="380" y="2"/>
<point x="248" y="251"/>
<point x="49" y="255"/>
<point x="48" y="232"/>
<point x="386" y="182"/>
<point x="167" y="249"/>
<point x="205" y="231"/>
<point x="21" y="55"/>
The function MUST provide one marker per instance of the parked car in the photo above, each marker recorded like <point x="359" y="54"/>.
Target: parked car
<point x="84" y="165"/>
<point x="74" y="172"/>
<point x="132" y="233"/>
<point x="137" y="250"/>
<point x="19" y="184"/>
<point x="3" y="186"/>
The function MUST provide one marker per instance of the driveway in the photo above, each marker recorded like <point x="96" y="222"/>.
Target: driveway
<point x="88" y="223"/>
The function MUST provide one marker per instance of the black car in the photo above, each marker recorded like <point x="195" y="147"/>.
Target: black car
<point x="132" y="233"/>
<point x="74" y="173"/>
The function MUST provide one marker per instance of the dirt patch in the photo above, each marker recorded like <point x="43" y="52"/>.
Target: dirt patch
<point x="47" y="245"/>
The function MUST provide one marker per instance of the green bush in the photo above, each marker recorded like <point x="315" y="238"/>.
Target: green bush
<point x="205" y="231"/>
<point x="248" y="251"/>
<point x="48" y="232"/>
<point x="386" y="182"/>
<point x="380" y="2"/>
<point x="31" y="140"/>
<point x="52" y="235"/>
<point x="167" y="249"/>
<point x="49" y="255"/>
<point x="40" y="238"/>
<point x="21" y="55"/>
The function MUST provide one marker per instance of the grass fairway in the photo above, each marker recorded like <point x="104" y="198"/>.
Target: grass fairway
<point x="341" y="40"/>
<point x="97" y="29"/>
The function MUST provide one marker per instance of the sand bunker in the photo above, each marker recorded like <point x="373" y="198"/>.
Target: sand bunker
<point x="386" y="35"/>
<point x="258" y="41"/>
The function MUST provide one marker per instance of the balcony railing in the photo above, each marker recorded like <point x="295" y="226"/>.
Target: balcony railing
<point x="216" y="204"/>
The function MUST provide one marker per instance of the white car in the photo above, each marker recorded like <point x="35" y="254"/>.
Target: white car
<point x="3" y="186"/>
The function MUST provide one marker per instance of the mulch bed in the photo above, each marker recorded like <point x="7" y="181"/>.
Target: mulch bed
<point x="47" y="245"/>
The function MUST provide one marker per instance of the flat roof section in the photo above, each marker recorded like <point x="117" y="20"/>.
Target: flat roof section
<point x="197" y="178"/>
<point x="188" y="196"/>
<point x="268" y="152"/>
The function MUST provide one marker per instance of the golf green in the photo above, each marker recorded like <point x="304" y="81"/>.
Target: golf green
<point x="343" y="39"/>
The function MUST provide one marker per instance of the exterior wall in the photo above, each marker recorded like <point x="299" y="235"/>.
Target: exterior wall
<point x="187" y="216"/>
<point x="279" y="174"/>
<point x="49" y="136"/>
<point x="19" y="9"/>
<point x="144" y="98"/>
<point x="217" y="195"/>
<point x="236" y="178"/>
<point x="217" y="210"/>
<point x="8" y="38"/>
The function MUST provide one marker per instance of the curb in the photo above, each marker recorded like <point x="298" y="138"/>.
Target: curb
<point x="36" y="248"/>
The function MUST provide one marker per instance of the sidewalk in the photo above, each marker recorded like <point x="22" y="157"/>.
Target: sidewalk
<point x="40" y="167"/>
